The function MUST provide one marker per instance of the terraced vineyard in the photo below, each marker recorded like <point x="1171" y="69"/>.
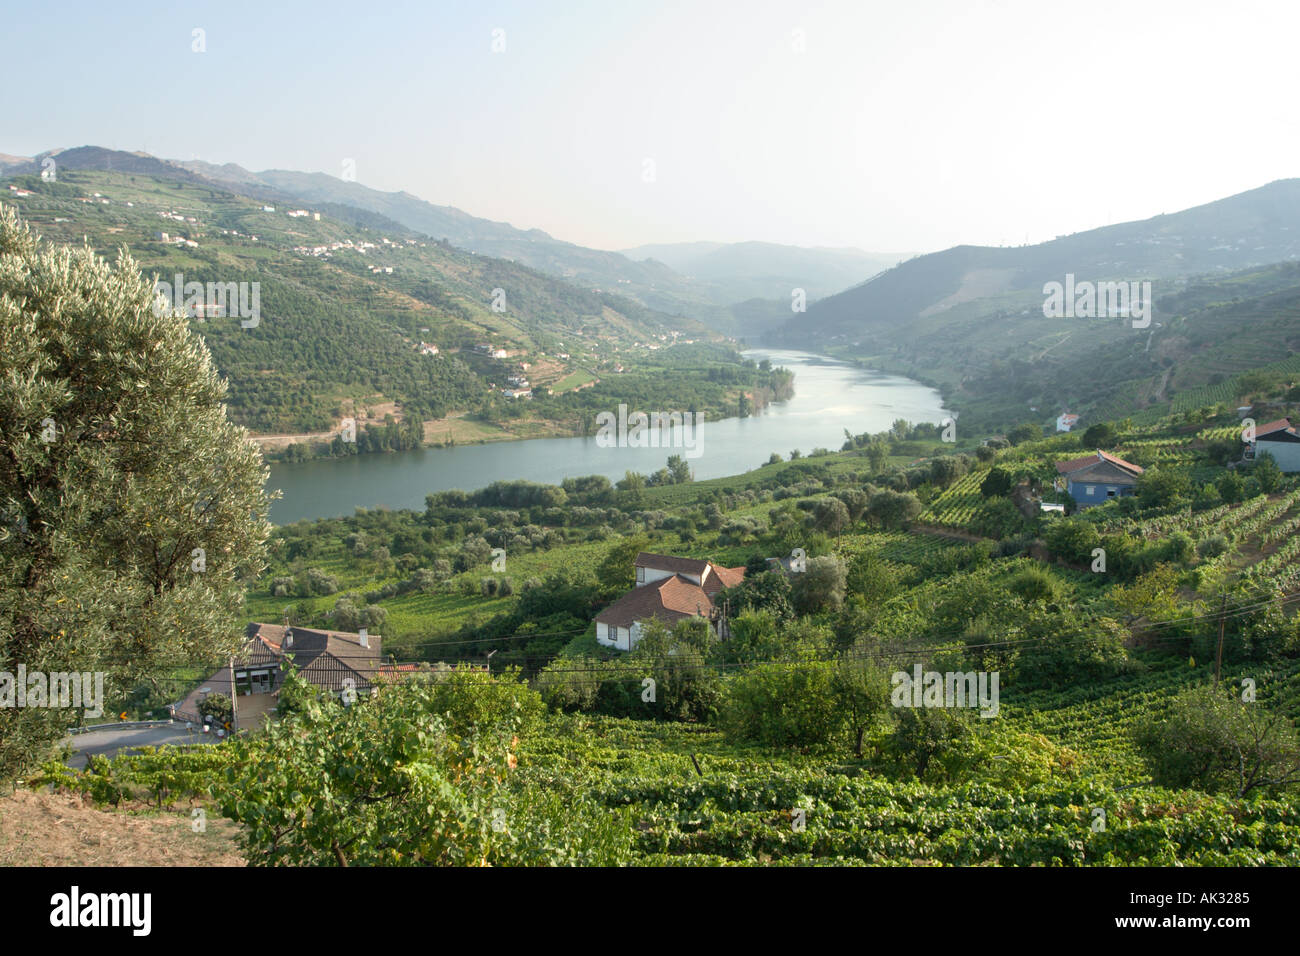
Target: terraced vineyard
<point x="957" y="504"/>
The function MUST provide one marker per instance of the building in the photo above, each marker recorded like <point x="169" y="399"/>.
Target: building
<point x="335" y="661"/>
<point x="1279" y="439"/>
<point x="428" y="348"/>
<point x="1065" y="421"/>
<point x="1096" y="478"/>
<point x="668" y="589"/>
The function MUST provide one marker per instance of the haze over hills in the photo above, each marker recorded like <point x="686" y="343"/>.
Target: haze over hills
<point x="967" y="319"/>
<point x="766" y="270"/>
<point x="970" y="319"/>
<point x="705" y="281"/>
<point x="346" y="299"/>
<point x="1250" y="229"/>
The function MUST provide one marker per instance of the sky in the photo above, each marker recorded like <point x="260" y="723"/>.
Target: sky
<point x="901" y="126"/>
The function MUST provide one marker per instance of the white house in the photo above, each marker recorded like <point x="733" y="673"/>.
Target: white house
<point x="1065" y="421"/>
<point x="1279" y="439"/>
<point x="668" y="589"/>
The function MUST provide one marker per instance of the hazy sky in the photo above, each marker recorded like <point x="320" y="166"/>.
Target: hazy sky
<point x="911" y="125"/>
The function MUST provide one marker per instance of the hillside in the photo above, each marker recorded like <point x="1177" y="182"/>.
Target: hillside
<point x="765" y="270"/>
<point x="1247" y="230"/>
<point x="652" y="284"/>
<point x="339" y="332"/>
<point x="970" y="320"/>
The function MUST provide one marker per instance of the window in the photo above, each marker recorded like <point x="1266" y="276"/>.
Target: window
<point x="1090" y="490"/>
<point x="1110" y="491"/>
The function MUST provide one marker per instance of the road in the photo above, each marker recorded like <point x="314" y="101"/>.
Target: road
<point x="111" y="740"/>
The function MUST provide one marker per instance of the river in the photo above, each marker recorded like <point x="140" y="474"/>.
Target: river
<point x="830" y="396"/>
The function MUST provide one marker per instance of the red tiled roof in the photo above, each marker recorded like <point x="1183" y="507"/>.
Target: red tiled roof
<point x="722" y="578"/>
<point x="1282" y="424"/>
<point x="668" y="599"/>
<point x="1076" y="464"/>
<point x="667" y="562"/>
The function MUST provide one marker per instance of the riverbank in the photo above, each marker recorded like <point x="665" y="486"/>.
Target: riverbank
<point x="460" y="429"/>
<point x="832" y="397"/>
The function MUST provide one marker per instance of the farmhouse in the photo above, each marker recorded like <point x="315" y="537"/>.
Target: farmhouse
<point x="1096" y="478"/>
<point x="1280" y="440"/>
<point x="1065" y="421"/>
<point x="668" y="589"/>
<point x="334" y="661"/>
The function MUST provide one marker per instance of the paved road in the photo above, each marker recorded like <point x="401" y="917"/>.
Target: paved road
<point x="112" y="740"/>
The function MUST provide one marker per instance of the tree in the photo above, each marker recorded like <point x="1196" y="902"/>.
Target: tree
<point x="1023" y="433"/>
<point x="1212" y="740"/>
<point x="679" y="469"/>
<point x="1154" y="595"/>
<point x="997" y="483"/>
<point x="894" y="509"/>
<point x="633" y="484"/>
<point x="218" y="708"/>
<point x="1161" y="487"/>
<point x="617" y="572"/>
<point x="1267" y="473"/>
<point x="947" y="469"/>
<point x="831" y="516"/>
<point x="925" y="733"/>
<point x="878" y="455"/>
<point x="132" y="512"/>
<point x="856" y="500"/>
<point x="1231" y="486"/>
<point x="821" y="586"/>
<point x="862" y="691"/>
<point x="783" y="705"/>
<point x="685" y="687"/>
<point x="1100" y="435"/>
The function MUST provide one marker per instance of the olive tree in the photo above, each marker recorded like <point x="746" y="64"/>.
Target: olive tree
<point x="131" y="510"/>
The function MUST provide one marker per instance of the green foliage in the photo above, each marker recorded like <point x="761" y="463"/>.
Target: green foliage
<point x="934" y="741"/>
<point x="217" y="707"/>
<point x="821" y="587"/>
<point x="421" y="774"/>
<point x="134" y="512"/>
<point x="997" y="483"/>
<point x="1213" y="740"/>
<point x="783" y="705"/>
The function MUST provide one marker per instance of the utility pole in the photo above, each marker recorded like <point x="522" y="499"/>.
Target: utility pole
<point x="1218" y="662"/>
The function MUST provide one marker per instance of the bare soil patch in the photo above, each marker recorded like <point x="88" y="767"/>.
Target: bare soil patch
<point x="39" y="828"/>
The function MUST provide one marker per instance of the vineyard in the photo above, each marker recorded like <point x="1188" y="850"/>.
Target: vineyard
<point x="690" y="798"/>
<point x="957" y="504"/>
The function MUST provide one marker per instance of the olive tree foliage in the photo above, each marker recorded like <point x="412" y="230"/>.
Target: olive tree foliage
<point x="131" y="510"/>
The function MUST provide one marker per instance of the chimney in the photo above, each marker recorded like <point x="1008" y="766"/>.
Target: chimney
<point x="288" y="637"/>
<point x="364" y="638"/>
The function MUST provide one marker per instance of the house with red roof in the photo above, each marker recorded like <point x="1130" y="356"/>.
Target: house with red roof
<point x="1279" y="439"/>
<point x="1095" y="479"/>
<point x="668" y="589"/>
<point x="335" y="661"/>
